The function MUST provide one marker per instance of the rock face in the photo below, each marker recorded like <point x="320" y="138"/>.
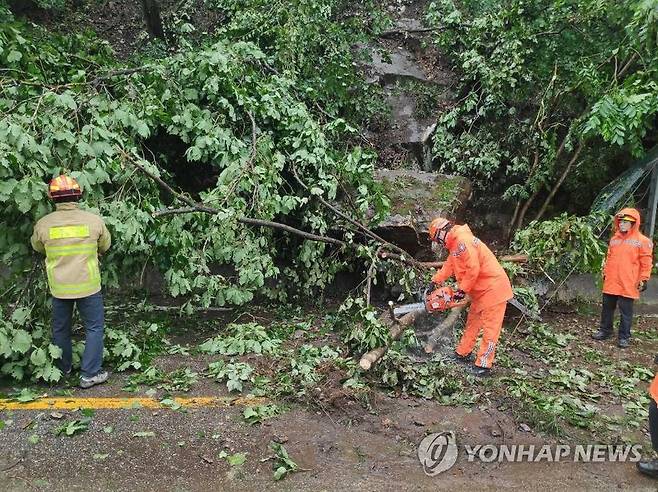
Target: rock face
<point x="398" y="63"/>
<point x="417" y="197"/>
<point x="415" y="89"/>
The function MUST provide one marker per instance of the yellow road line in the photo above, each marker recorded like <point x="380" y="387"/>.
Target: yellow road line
<point x="70" y="403"/>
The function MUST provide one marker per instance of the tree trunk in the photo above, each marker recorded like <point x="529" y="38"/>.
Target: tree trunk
<point x="520" y="211"/>
<point x="557" y="185"/>
<point x="398" y="328"/>
<point x="441" y="330"/>
<point x="524" y="210"/>
<point x="153" y="19"/>
<point x="510" y="229"/>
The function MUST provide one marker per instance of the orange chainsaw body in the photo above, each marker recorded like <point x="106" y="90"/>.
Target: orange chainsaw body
<point x="442" y="299"/>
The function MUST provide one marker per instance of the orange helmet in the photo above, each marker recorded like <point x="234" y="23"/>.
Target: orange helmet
<point x="63" y="186"/>
<point x="436" y="226"/>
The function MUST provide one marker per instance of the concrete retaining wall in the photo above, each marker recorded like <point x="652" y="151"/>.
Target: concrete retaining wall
<point x="585" y="288"/>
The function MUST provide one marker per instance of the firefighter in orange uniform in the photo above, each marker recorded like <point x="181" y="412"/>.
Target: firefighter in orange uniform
<point x="625" y="274"/>
<point x="480" y="276"/>
<point x="650" y="467"/>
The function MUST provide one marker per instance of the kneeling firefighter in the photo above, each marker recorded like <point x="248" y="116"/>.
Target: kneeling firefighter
<point x="480" y="276"/>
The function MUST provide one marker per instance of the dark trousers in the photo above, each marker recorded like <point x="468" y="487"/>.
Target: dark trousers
<point x="92" y="314"/>
<point x="653" y="424"/>
<point x="625" y="304"/>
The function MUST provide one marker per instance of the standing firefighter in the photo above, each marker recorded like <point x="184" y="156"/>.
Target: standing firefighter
<point x="625" y="273"/>
<point x="72" y="239"/>
<point x="650" y="466"/>
<point x="479" y="275"/>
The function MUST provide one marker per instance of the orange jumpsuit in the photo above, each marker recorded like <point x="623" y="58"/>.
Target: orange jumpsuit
<point x="653" y="388"/>
<point x="479" y="274"/>
<point x="628" y="260"/>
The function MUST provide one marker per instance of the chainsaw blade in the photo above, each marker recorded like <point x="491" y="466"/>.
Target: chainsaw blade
<point x="407" y="308"/>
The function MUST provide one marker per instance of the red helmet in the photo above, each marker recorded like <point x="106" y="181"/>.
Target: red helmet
<point x="63" y="186"/>
<point x="437" y="226"/>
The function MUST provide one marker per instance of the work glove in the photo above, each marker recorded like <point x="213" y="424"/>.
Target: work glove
<point x="642" y="286"/>
<point x="431" y="287"/>
<point x="459" y="295"/>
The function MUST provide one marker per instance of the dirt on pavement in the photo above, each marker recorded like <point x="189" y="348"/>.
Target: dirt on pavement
<point x="365" y="445"/>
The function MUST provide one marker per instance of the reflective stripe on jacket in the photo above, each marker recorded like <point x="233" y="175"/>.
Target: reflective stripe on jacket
<point x="628" y="260"/>
<point x="71" y="239"/>
<point x="476" y="269"/>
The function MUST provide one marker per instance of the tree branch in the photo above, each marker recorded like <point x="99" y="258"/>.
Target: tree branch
<point x="438" y="264"/>
<point x="364" y="230"/>
<point x="557" y="185"/>
<point x="115" y="73"/>
<point x="199" y="207"/>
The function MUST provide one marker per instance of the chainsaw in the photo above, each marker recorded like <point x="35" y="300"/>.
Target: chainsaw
<point x="445" y="298"/>
<point x="439" y="299"/>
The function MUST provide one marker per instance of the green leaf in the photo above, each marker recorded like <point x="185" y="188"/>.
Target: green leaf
<point x="144" y="434"/>
<point x="280" y="472"/>
<point x="171" y="403"/>
<point x="54" y="351"/>
<point x="234" y="385"/>
<point x="88" y="412"/>
<point x="142" y="129"/>
<point x="236" y="459"/>
<point x="72" y="428"/>
<point x="21" y="315"/>
<point x="33" y="439"/>
<point x="25" y="395"/>
<point x="14" y="56"/>
<point x="39" y="357"/>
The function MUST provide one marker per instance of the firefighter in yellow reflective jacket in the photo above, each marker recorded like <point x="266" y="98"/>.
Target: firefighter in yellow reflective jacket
<point x="72" y="239"/>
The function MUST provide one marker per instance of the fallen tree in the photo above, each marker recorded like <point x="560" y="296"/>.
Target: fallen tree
<point x="399" y="325"/>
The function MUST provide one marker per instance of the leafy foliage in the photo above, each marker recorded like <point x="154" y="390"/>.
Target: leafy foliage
<point x="313" y="41"/>
<point x="283" y="465"/>
<point x="27" y="353"/>
<point x="548" y="89"/>
<point x="432" y="379"/>
<point x="229" y="115"/>
<point x="234" y="373"/>
<point x="241" y="339"/>
<point x="69" y="429"/>
<point x="226" y="120"/>
<point x="361" y="325"/>
<point x="564" y="243"/>
<point x="259" y="413"/>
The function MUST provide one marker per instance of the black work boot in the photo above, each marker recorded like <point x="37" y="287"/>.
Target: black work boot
<point x="462" y="359"/>
<point x="601" y="335"/>
<point x="624" y="342"/>
<point x="648" y="467"/>
<point x="481" y="372"/>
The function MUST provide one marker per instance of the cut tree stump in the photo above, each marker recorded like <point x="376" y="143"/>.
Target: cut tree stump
<point x="397" y="329"/>
<point x="400" y="325"/>
<point x="445" y="325"/>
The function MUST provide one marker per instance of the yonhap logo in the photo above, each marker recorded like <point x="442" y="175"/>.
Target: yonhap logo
<point x="438" y="452"/>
